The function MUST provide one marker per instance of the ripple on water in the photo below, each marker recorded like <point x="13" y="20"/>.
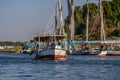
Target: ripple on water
<point x="76" y="68"/>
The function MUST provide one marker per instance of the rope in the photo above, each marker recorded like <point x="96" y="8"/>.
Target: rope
<point x="49" y="25"/>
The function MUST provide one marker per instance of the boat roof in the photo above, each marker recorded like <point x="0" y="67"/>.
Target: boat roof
<point x="44" y="38"/>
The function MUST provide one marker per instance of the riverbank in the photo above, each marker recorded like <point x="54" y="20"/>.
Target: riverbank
<point x="11" y="50"/>
<point x="7" y="51"/>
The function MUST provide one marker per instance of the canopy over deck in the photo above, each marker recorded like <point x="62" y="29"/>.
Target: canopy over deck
<point x="44" y="38"/>
<point x="107" y="42"/>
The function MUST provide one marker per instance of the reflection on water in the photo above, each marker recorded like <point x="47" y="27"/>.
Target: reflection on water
<point x="75" y="68"/>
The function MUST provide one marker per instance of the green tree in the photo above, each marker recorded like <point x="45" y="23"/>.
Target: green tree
<point x="111" y="14"/>
<point x="78" y="19"/>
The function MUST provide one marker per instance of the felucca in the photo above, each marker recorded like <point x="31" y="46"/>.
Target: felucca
<point x="53" y="50"/>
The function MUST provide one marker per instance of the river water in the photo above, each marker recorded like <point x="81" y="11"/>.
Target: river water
<point x="77" y="67"/>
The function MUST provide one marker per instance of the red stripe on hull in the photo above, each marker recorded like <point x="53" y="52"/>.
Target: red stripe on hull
<point x="108" y="54"/>
<point x="112" y="54"/>
<point x="54" y="57"/>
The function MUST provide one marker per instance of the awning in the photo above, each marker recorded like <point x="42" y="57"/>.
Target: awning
<point x="44" y="38"/>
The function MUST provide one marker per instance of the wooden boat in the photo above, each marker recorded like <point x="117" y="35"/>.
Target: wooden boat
<point x="109" y="53"/>
<point x="115" y="51"/>
<point x="53" y="49"/>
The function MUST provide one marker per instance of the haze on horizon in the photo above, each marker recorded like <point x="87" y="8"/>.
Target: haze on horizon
<point x="21" y="19"/>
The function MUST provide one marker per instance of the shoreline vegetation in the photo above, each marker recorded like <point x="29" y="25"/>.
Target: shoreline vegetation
<point x="9" y="46"/>
<point x="14" y="49"/>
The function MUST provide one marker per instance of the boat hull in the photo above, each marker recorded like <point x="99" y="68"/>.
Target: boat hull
<point x="102" y="53"/>
<point x="53" y="57"/>
<point x="109" y="53"/>
<point x="113" y="53"/>
<point x="55" y="54"/>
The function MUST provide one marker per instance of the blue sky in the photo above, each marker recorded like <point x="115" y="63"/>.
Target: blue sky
<point x="21" y="19"/>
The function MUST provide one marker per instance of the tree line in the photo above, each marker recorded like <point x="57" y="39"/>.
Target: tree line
<point x="10" y="43"/>
<point x="111" y="15"/>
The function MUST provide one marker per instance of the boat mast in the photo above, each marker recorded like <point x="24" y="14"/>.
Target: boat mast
<point x="55" y="18"/>
<point x="61" y="18"/>
<point x="87" y="22"/>
<point x="102" y="24"/>
<point x="71" y="19"/>
<point x="55" y="24"/>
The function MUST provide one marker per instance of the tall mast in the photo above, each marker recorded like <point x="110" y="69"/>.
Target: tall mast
<point x="102" y="24"/>
<point x="61" y="17"/>
<point x="87" y="22"/>
<point x="55" y="18"/>
<point x="55" y="24"/>
<point x="71" y="18"/>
